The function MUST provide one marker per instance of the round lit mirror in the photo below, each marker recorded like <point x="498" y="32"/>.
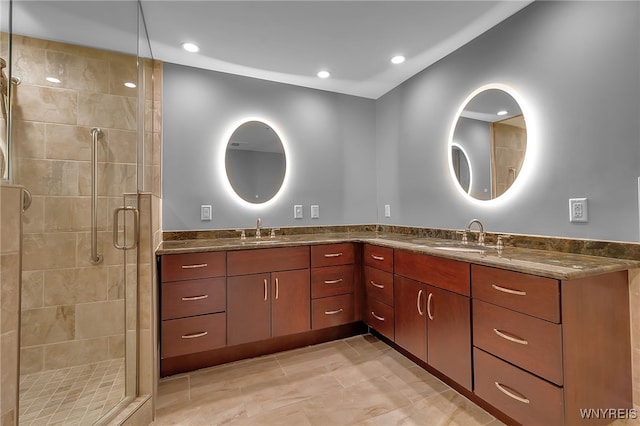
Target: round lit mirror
<point x="489" y="138"/>
<point x="255" y="162"/>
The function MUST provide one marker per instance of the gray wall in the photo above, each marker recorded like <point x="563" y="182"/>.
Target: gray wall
<point x="577" y="65"/>
<point x="330" y="140"/>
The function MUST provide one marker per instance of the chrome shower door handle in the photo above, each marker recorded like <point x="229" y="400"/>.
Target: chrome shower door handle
<point x="116" y="225"/>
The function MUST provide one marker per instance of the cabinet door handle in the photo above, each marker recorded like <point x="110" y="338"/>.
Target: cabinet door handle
<point x="420" y="311"/>
<point x="338" y="281"/>
<point x="195" y="335"/>
<point x="508" y="290"/>
<point x="191" y="298"/>
<point x="337" y="311"/>
<point x="510" y="338"/>
<point x="373" y="283"/>
<point x="377" y="317"/>
<point x="196" y="266"/>
<point x="277" y="289"/>
<point x="429" y="306"/>
<point x="266" y="289"/>
<point x="377" y="257"/>
<point x="511" y="393"/>
<point x="332" y="254"/>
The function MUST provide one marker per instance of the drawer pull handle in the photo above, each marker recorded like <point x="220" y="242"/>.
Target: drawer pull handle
<point x="337" y="311"/>
<point x="195" y="335"/>
<point x="266" y="289"/>
<point x="511" y="393"/>
<point x="420" y="311"/>
<point x="510" y="338"/>
<point x="332" y="254"/>
<point x="191" y="298"/>
<point x="508" y="290"/>
<point x="377" y="317"/>
<point x="373" y="283"/>
<point x="196" y="266"/>
<point x="338" y="281"/>
<point x="377" y="257"/>
<point x="429" y="306"/>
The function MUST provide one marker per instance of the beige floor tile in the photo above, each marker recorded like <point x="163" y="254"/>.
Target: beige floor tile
<point x="359" y="380"/>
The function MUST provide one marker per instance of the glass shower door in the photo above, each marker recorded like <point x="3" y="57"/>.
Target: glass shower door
<point x="74" y="146"/>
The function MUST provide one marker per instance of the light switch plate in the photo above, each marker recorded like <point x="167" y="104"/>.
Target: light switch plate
<point x="206" y="212"/>
<point x="578" y="211"/>
<point x="387" y="210"/>
<point x="315" y="212"/>
<point x="297" y="211"/>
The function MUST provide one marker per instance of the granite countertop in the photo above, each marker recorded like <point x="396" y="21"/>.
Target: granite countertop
<point x="546" y="263"/>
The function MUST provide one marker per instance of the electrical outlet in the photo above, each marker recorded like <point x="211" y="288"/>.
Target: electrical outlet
<point x="315" y="212"/>
<point x="297" y="211"/>
<point x="578" y="211"/>
<point x="205" y="213"/>
<point x="387" y="210"/>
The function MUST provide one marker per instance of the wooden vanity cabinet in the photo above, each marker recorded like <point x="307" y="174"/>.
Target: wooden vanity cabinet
<point x="333" y="278"/>
<point x="193" y="303"/>
<point x="268" y="293"/>
<point x="545" y="348"/>
<point x="433" y="312"/>
<point x="378" y="279"/>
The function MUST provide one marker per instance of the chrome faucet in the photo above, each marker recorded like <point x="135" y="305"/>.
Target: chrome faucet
<point x="481" y="234"/>
<point x="258" y="227"/>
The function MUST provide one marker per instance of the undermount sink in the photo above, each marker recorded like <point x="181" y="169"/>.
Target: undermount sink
<point x="461" y="249"/>
<point x="264" y="241"/>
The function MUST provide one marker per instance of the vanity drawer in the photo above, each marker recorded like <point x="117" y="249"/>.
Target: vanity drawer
<point x="378" y="257"/>
<point x="194" y="297"/>
<point x="188" y="266"/>
<point x="530" y="294"/>
<point x="332" y="254"/>
<point x="195" y="334"/>
<point x="523" y="340"/>
<point x="332" y="311"/>
<point x="447" y="274"/>
<point x="379" y="285"/>
<point x="380" y="318"/>
<point x="244" y="262"/>
<point x="331" y="281"/>
<point x="522" y="396"/>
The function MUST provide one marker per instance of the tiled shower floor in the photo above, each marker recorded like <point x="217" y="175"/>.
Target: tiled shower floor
<point x="71" y="396"/>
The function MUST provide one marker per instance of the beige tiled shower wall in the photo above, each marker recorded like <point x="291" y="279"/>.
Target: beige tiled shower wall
<point x="72" y="311"/>
<point x="10" y="217"/>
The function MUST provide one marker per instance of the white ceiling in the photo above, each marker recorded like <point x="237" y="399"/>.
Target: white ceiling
<point x="284" y="41"/>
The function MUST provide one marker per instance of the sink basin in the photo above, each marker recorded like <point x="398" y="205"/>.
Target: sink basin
<point x="264" y="241"/>
<point x="461" y="249"/>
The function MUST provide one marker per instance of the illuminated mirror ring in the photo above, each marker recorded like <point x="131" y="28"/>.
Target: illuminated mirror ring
<point x="489" y="136"/>
<point x="255" y="162"/>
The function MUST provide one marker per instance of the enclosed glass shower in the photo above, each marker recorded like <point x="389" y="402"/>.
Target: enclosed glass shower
<point x="73" y="137"/>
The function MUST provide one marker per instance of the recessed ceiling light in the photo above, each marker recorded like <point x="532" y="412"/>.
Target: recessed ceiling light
<point x="397" y="59"/>
<point x="130" y="85"/>
<point x="324" y="74"/>
<point x="190" y="47"/>
<point x="503" y="112"/>
<point x="53" y="80"/>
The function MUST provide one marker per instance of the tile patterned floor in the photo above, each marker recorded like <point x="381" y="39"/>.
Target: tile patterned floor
<point x="359" y="380"/>
<point x="71" y="396"/>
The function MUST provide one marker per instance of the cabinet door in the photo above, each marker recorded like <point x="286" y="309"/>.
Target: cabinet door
<point x="248" y="308"/>
<point x="291" y="302"/>
<point x="449" y="335"/>
<point x="410" y="316"/>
